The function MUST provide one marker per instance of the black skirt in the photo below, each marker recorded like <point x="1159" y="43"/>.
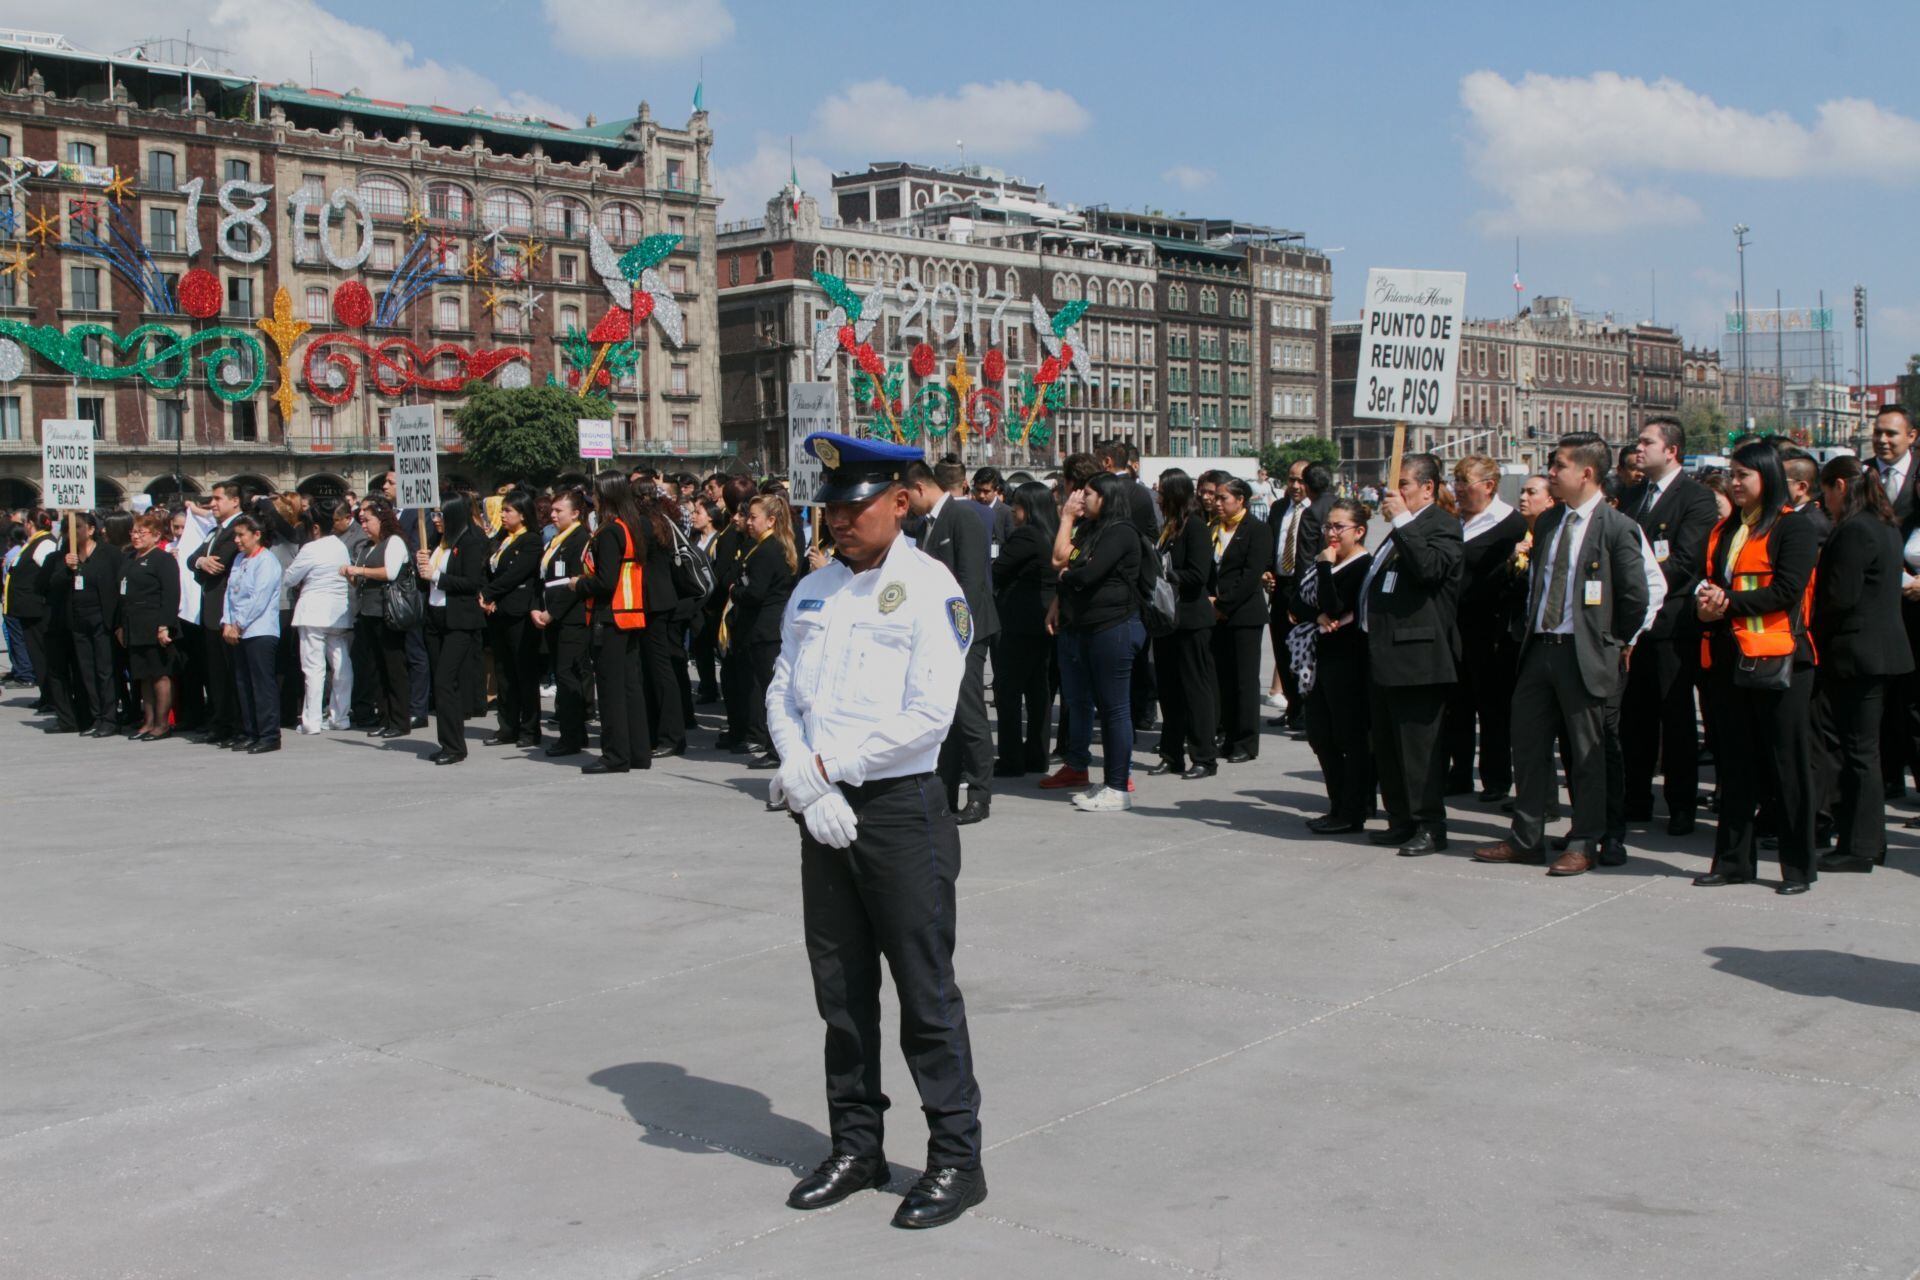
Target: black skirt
<point x="153" y="661"/>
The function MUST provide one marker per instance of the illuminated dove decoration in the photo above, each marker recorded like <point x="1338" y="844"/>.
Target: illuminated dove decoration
<point x="1063" y="327"/>
<point x="862" y="313"/>
<point x="620" y="274"/>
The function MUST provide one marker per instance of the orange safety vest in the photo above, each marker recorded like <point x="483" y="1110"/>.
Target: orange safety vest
<point x="1765" y="635"/>
<point x="627" y="595"/>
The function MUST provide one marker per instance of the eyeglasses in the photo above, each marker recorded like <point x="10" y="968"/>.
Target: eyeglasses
<point x="1331" y="525"/>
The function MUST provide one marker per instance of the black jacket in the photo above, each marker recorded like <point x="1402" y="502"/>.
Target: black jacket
<point x="462" y="578"/>
<point x="609" y="548"/>
<point x="213" y="586"/>
<point x="1100" y="587"/>
<point x="1239" y="594"/>
<point x="729" y="554"/>
<point x="27" y="584"/>
<point x="149" y="597"/>
<point x="1486" y="579"/>
<point x="760" y="596"/>
<point x="98" y="582"/>
<point x="1309" y="540"/>
<point x="1816" y="515"/>
<point x="1338" y="594"/>
<point x="1412" y="634"/>
<point x="1023" y="581"/>
<point x="510" y="570"/>
<point x="958" y="540"/>
<point x="1189" y="553"/>
<point x="563" y="562"/>
<point x="1142" y="511"/>
<point x="1856" y="595"/>
<point x="1681" y="519"/>
<point x="1792" y="549"/>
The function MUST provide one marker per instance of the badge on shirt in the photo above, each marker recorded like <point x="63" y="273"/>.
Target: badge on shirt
<point x="123" y="586"/>
<point x="812" y="606"/>
<point x="1592" y="592"/>
<point x="892" y="596"/>
<point x="1387" y="581"/>
<point x="79" y="583"/>
<point x="962" y="619"/>
<point x="1661" y="550"/>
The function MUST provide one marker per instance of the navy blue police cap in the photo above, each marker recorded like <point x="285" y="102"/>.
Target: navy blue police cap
<point x="858" y="469"/>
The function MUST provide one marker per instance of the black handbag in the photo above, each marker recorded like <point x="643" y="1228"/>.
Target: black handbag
<point x="404" y="609"/>
<point x="1772" y="675"/>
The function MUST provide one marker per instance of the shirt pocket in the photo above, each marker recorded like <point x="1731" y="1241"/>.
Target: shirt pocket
<point x="875" y="670"/>
<point x="810" y="645"/>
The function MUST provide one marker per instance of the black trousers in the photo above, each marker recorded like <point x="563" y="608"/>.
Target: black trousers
<point x="966" y="754"/>
<point x="1277" y="627"/>
<point x="1145" y="690"/>
<point x="448" y="652"/>
<point x="677" y="635"/>
<point x="1405" y="720"/>
<point x="761" y="656"/>
<point x="1236" y="663"/>
<point x="256" y="688"/>
<point x="393" y="696"/>
<point x="1549" y="697"/>
<point x="190" y="685"/>
<point x="1337" y="730"/>
<point x="286" y="668"/>
<point x="1189" y="714"/>
<point x="1854" y="707"/>
<point x="1022" y="699"/>
<point x="1765" y="749"/>
<point x="572" y="670"/>
<point x="623" y="698"/>
<point x="515" y="644"/>
<point x="93" y="668"/>
<point x="36" y="634"/>
<point x="419" y="675"/>
<point x="60" y="685"/>
<point x="736" y="689"/>
<point x="666" y="716"/>
<point x="1657" y="726"/>
<point x="223" y="698"/>
<point x="706" y="655"/>
<point x="1482" y="701"/>
<point x="364" y="655"/>
<point x="891" y="895"/>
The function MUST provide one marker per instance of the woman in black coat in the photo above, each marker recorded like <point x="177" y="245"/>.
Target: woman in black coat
<point x="92" y="583"/>
<point x="1336" y="701"/>
<point x="1862" y="645"/>
<point x="1189" y="687"/>
<point x="455" y="571"/>
<point x="1766" y="735"/>
<point x="507" y="597"/>
<point x="663" y="659"/>
<point x="621" y="540"/>
<point x="1244" y="554"/>
<point x="149" y="621"/>
<point x="729" y="557"/>
<point x="759" y="601"/>
<point x="1023" y="587"/>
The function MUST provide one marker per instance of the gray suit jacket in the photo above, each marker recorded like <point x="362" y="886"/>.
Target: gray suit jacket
<point x="1609" y="559"/>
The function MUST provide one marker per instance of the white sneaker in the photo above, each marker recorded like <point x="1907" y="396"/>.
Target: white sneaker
<point x="548" y="690"/>
<point x="1103" y="800"/>
<point x="1276" y="701"/>
<point x="306" y="730"/>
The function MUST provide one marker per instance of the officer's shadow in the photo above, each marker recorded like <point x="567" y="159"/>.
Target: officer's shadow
<point x="690" y="1113"/>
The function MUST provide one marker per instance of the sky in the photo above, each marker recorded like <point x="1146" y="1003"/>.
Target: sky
<point x="1617" y="144"/>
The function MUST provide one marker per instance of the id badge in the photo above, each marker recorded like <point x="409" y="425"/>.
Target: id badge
<point x="123" y="586"/>
<point x="1592" y="592"/>
<point x="1661" y="551"/>
<point x="79" y="583"/>
<point x="1387" y="581"/>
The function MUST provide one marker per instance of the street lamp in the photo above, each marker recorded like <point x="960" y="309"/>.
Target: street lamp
<point x="1746" y="371"/>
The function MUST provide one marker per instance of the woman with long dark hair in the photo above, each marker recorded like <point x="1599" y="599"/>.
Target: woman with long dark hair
<point x="617" y="555"/>
<point x="507" y="597"/>
<point x="1754" y="602"/>
<point x="92" y="585"/>
<point x="563" y="620"/>
<point x="1336" y="678"/>
<point x="704" y="518"/>
<point x="150" y="623"/>
<point x="380" y="564"/>
<point x="759" y="602"/>
<point x="1189" y="688"/>
<point x="1098" y="618"/>
<point x="455" y="573"/>
<point x="1023" y="589"/>
<point x="736" y="675"/>
<point x="663" y="659"/>
<point x="1862" y="645"/>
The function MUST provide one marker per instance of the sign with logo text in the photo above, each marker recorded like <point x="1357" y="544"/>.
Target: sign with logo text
<point x="66" y="463"/>
<point x="1410" y="345"/>
<point x="416" y="458"/>
<point x="596" y="437"/>
<point x="810" y="407"/>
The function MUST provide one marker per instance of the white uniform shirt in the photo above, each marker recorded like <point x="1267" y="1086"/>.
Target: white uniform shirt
<point x="1578" y="520"/>
<point x="870" y="665"/>
<point x="325" y="599"/>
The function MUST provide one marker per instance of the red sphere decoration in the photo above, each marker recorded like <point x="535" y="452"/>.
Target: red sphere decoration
<point x="200" y="295"/>
<point x="898" y="408"/>
<point x="1049" y="370"/>
<point x="995" y="365"/>
<point x="642" y="307"/>
<point x="922" y="360"/>
<point x="1066" y="353"/>
<point x="848" y="338"/>
<point x="605" y="378"/>
<point x="352" y="304"/>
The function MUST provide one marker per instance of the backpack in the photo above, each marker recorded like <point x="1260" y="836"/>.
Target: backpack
<point x="1159" y="603"/>
<point x="693" y="576"/>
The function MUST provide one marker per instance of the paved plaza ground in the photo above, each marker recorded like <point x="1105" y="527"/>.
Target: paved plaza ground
<point x="336" y="1014"/>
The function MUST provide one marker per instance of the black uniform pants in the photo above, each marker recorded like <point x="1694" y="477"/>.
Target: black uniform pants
<point x="1278" y="624"/>
<point x="706" y="655"/>
<point x="1406" y="745"/>
<point x="223" y="695"/>
<point x="93" y="665"/>
<point x="966" y="755"/>
<point x="761" y="657"/>
<point x="666" y="719"/>
<point x="892" y="895"/>
<point x="364" y="657"/>
<point x="257" y="689"/>
<point x="1236" y="663"/>
<point x="1022" y="698"/>
<point x="736" y="687"/>
<point x="515" y="643"/>
<point x="36" y="635"/>
<point x="572" y="669"/>
<point x="393" y="696"/>
<point x="1859" y="802"/>
<point x="677" y="636"/>
<point x="1765" y="749"/>
<point x="1189" y="712"/>
<point x="1657" y="725"/>
<point x="1483" y="699"/>
<point x="447" y="653"/>
<point x="623" y="698"/>
<point x="1337" y="730"/>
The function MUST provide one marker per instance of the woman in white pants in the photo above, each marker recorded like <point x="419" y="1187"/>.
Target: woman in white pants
<point x="323" y="615"/>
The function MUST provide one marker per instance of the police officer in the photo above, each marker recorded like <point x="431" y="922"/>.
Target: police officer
<point x="872" y="651"/>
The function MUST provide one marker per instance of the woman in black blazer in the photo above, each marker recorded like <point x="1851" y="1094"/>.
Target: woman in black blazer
<point x="1189" y="688"/>
<point x="1337" y="702"/>
<point x="1862" y="645"/>
<point x="616" y="650"/>
<point x="663" y="659"/>
<point x="455" y="572"/>
<point x="507" y="597"/>
<point x="730" y="550"/>
<point x="92" y="588"/>
<point x="562" y="619"/>
<point x="759" y="601"/>
<point x="1243" y="552"/>
<point x="1766" y="736"/>
<point x="1023" y="587"/>
<point x="149" y="622"/>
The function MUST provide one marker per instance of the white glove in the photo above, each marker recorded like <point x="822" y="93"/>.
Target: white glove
<point x="830" y="820"/>
<point x="801" y="781"/>
<point x="776" y="794"/>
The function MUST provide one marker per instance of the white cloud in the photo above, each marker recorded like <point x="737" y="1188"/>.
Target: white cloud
<point x="746" y="187"/>
<point x="1187" y="177"/>
<point x="273" y="40"/>
<point x="879" y="120"/>
<point x="1562" y="151"/>
<point x="637" y="28"/>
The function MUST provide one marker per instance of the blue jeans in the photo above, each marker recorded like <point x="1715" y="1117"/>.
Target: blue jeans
<point x="1096" y="673"/>
<point x="17" y="651"/>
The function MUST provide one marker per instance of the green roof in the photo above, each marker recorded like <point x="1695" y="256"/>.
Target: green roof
<point x="327" y="100"/>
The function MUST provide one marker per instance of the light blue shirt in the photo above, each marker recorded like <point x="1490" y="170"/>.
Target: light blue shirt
<point x="253" y="596"/>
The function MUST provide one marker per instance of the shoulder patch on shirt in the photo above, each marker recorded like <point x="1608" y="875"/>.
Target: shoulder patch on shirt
<point x="961" y="618"/>
<point x="811" y="606"/>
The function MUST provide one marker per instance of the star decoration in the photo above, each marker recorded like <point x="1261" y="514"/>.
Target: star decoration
<point x="478" y="265"/>
<point x="85" y="213"/>
<point x="491" y="299"/>
<point x="531" y="302"/>
<point x="285" y="332"/>
<point x="43" y="226"/>
<point x="962" y="382"/>
<point x="121" y="188"/>
<point x="14" y="175"/>
<point x="445" y="247"/>
<point x="530" y="251"/>
<point x="493" y="234"/>
<point x="20" y="266"/>
<point x="416" y="219"/>
<point x="9" y="221"/>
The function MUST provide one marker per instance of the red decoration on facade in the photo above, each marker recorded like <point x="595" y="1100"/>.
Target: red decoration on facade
<point x="995" y="365"/>
<point x="200" y="294"/>
<point x="642" y="307"/>
<point x="848" y="338"/>
<point x="1066" y="353"/>
<point x="1049" y="370"/>
<point x="394" y="366"/>
<point x="870" y="362"/>
<point x="352" y="304"/>
<point x="922" y="361"/>
<point x="615" y="326"/>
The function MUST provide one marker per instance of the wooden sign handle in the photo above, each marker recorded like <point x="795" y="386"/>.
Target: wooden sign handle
<point x="420" y="514"/>
<point x="1399" y="449"/>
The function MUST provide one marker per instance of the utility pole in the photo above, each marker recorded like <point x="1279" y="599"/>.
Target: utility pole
<point x="1780" y="361"/>
<point x="1740" y="230"/>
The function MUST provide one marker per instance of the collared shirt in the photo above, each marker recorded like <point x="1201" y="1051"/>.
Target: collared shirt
<point x="1656" y="489"/>
<point x="1649" y="568"/>
<point x="870" y="665"/>
<point x="1894" y="475"/>
<point x="1290" y="535"/>
<point x="1473" y="526"/>
<point x="1223" y="534"/>
<point x="253" y="596"/>
<point x="549" y="572"/>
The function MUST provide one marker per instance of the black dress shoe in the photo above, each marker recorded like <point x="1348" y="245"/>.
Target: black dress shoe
<point x="1332" y="826"/>
<point x="264" y="746"/>
<point x="977" y="810"/>
<point x="1393" y="835"/>
<point x="1424" y="843"/>
<point x="500" y="740"/>
<point x="1845" y="862"/>
<point x="376" y="731"/>
<point x="1241" y="757"/>
<point x="1680" y="824"/>
<point x="419" y="722"/>
<point x="447" y="757"/>
<point x="59" y="728"/>
<point x="766" y="760"/>
<point x="1162" y="766"/>
<point x="601" y="766"/>
<point x="1491" y="796"/>
<point x="101" y="731"/>
<point x="665" y="753"/>
<point x="527" y="741"/>
<point x="241" y="744"/>
<point x="395" y="733"/>
<point x="940" y="1196"/>
<point x="838" y="1177"/>
<point x="1613" y="853"/>
<point x="559" y="749"/>
<point x="1275" y="722"/>
<point x="1793" y="887"/>
<point x="1714" y="880"/>
<point x="740" y="749"/>
<point x="1199" y="771"/>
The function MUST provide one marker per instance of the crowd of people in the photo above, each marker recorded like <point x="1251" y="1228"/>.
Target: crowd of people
<point x="1621" y="617"/>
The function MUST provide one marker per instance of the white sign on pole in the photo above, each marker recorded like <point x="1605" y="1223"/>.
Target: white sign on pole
<point x="66" y="463"/>
<point x="810" y="408"/>
<point x="596" y="437"/>
<point x="1410" y="345"/>
<point x="416" y="458"/>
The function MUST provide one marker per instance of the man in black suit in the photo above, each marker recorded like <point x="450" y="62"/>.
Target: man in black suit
<point x="955" y="537"/>
<point x="1295" y="525"/>
<point x="210" y="569"/>
<point x="989" y="494"/>
<point x="1657" y="721"/>
<point x="419" y="673"/>
<point x="1588" y="598"/>
<point x="1123" y="459"/>
<point x="1893" y="440"/>
<point x="1408" y="610"/>
<point x="1243" y="550"/>
<point x="1479" y="710"/>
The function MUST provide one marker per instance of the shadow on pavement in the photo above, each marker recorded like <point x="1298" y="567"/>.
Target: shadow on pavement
<point x="711" y="1116"/>
<point x="1869" y="980"/>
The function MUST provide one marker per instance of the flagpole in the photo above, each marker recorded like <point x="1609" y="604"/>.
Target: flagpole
<point x="1516" y="277"/>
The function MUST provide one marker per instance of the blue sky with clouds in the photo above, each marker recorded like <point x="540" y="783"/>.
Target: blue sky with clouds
<point x="1619" y="143"/>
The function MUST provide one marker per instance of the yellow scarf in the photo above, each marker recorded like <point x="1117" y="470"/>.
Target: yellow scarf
<point x="546" y="557"/>
<point x="494" y="561"/>
<point x="1223" y="530"/>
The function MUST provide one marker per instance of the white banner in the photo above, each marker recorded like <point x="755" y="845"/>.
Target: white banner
<point x="1410" y="345"/>
<point x="416" y="458"/>
<point x="66" y="464"/>
<point x="596" y="437"/>
<point x="810" y="408"/>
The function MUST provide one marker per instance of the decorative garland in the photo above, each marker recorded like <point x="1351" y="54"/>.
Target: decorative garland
<point x="152" y="349"/>
<point x="391" y="376"/>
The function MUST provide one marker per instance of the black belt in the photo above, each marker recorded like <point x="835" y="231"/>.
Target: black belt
<point x="1551" y="637"/>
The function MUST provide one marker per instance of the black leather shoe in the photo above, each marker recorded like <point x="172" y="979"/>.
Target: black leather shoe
<point x="939" y="1197"/>
<point x="767" y="760"/>
<point x="395" y="733"/>
<point x="217" y="743"/>
<point x="739" y="749"/>
<point x="240" y="744"/>
<point x="977" y="809"/>
<point x="1161" y="767"/>
<point x="559" y="749"/>
<point x="1681" y="824"/>
<point x="101" y="731"/>
<point x="1491" y="796"/>
<point x="1200" y="771"/>
<point x="666" y="753"/>
<point x="1845" y="862"/>
<point x="499" y="740"/>
<point x="262" y="748"/>
<point x="1613" y="853"/>
<point x="1393" y="835"/>
<point x="59" y="728"/>
<point x="1332" y="826"/>
<point x="838" y="1177"/>
<point x="378" y="731"/>
<point x="1793" y="887"/>
<point x="601" y="766"/>
<point x="441" y="757"/>
<point x="1424" y="843"/>
<point x="1241" y="757"/>
<point x="528" y="741"/>
<point x="1714" y="880"/>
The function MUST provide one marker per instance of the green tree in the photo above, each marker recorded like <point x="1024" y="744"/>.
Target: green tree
<point x="1276" y="456"/>
<point x="524" y="433"/>
<point x="1909" y="383"/>
<point x="1707" y="426"/>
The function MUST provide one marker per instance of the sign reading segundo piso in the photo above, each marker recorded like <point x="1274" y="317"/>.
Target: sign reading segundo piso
<point x="416" y="458"/>
<point x="66" y="464"/>
<point x="1410" y="345"/>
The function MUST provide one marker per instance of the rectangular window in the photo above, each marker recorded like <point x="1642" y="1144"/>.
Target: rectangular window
<point x="237" y="171"/>
<point x="675" y="174"/>
<point x="85" y="282"/>
<point x="313" y="185"/>
<point x="9" y="417"/>
<point x="677" y="278"/>
<point x="318" y="309"/>
<point x="9" y="295"/>
<point x="81" y="153"/>
<point x="449" y="313"/>
<point x="677" y="225"/>
<point x="386" y="424"/>
<point x="92" y="409"/>
<point x="383" y="255"/>
<point x="322" y="425"/>
<point x="163" y="230"/>
<point x="677" y="380"/>
<point x="160" y="170"/>
<point x="169" y="417"/>
<point x="240" y="297"/>
<point x="626" y="429"/>
<point x="569" y="268"/>
<point x="682" y="430"/>
<point x="241" y="422"/>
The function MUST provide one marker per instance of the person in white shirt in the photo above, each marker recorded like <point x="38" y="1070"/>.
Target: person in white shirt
<point x="323" y="617"/>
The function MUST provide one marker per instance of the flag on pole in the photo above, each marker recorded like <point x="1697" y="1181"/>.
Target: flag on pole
<point x="699" y="95"/>
<point x="1517" y="286"/>
<point x="793" y="185"/>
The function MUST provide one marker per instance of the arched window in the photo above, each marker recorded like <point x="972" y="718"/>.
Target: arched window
<point x="1013" y="282"/>
<point x="1095" y="294"/>
<point x="448" y="313"/>
<point x="766" y="265"/>
<point x="1177" y="297"/>
<point x="449" y="202"/>
<point x="506" y="317"/>
<point x="620" y="222"/>
<point x="509" y="210"/>
<point x="820" y="262"/>
<point x="1059" y="287"/>
<point x="1122" y="294"/>
<point x="383" y="195"/>
<point x="566" y="217"/>
<point x="993" y="279"/>
<point x="1146" y="296"/>
<point x="973" y="279"/>
<point x="840" y="263"/>
<point x="318" y="309"/>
